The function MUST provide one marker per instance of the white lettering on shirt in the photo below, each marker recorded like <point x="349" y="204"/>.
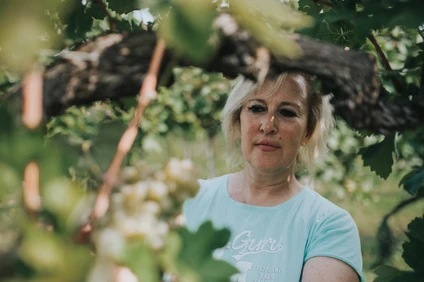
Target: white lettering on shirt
<point x="246" y="245"/>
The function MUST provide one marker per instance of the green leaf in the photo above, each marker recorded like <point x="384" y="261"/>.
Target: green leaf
<point x="414" y="249"/>
<point x="342" y="33"/>
<point x="386" y="273"/>
<point x="78" y="22"/>
<point x="379" y="156"/>
<point x="122" y="6"/>
<point x="269" y="22"/>
<point x="9" y="182"/>
<point x="202" y="243"/>
<point x="6" y="122"/>
<point x="105" y="143"/>
<point x="125" y="25"/>
<point x="196" y="253"/>
<point x="141" y="261"/>
<point x="413" y="181"/>
<point x="310" y="7"/>
<point x="188" y="27"/>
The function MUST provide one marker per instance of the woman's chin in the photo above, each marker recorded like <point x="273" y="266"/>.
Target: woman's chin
<point x="268" y="165"/>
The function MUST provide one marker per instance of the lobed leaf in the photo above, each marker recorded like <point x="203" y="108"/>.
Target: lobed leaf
<point x="196" y="254"/>
<point x="413" y="250"/>
<point x="386" y="273"/>
<point x="188" y="27"/>
<point x="123" y="6"/>
<point x="141" y="261"/>
<point x="379" y="156"/>
<point x="413" y="181"/>
<point x="78" y="22"/>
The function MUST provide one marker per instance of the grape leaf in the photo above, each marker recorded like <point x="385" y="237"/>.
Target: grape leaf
<point x="386" y="273"/>
<point x="414" y="249"/>
<point x="394" y="13"/>
<point x="140" y="260"/>
<point x="196" y="253"/>
<point x="342" y="33"/>
<point x="414" y="61"/>
<point x="123" y="6"/>
<point x="104" y="145"/>
<point x="6" y="122"/>
<point x="78" y="22"/>
<point x="309" y="6"/>
<point x="413" y="181"/>
<point x="188" y="26"/>
<point x="379" y="156"/>
<point x="125" y="25"/>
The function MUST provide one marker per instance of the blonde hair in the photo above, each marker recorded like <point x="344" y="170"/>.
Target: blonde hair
<point x="320" y="119"/>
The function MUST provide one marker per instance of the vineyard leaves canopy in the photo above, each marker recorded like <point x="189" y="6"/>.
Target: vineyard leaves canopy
<point x="61" y="35"/>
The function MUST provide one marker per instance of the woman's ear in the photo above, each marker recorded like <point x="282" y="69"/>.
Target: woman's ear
<point x="305" y="140"/>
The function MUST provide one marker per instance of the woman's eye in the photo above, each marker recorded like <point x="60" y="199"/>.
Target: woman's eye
<point x="256" y="109"/>
<point x="287" y="113"/>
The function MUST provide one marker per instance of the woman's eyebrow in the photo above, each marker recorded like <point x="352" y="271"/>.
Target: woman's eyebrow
<point x="257" y="100"/>
<point x="285" y="103"/>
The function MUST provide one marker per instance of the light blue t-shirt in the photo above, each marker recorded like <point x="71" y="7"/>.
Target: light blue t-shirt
<point x="273" y="243"/>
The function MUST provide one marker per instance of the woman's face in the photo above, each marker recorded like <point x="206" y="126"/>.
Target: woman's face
<point x="273" y="127"/>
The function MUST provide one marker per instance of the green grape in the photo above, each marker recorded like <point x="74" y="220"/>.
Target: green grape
<point x="162" y="228"/>
<point x="129" y="174"/>
<point x="157" y="190"/>
<point x="151" y="207"/>
<point x="156" y="243"/>
<point x="129" y="227"/>
<point x="167" y="205"/>
<point x="183" y="174"/>
<point x="103" y="270"/>
<point x="145" y="206"/>
<point x="109" y="243"/>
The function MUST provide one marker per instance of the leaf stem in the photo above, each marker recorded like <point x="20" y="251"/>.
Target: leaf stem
<point x="147" y="93"/>
<point x="381" y="236"/>
<point x="111" y="19"/>
<point x="400" y="206"/>
<point x="377" y="47"/>
<point x="384" y="61"/>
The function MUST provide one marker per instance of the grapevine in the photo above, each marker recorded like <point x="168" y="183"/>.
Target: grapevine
<point x="144" y="208"/>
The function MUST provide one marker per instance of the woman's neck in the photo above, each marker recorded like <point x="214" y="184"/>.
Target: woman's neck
<point x="260" y="188"/>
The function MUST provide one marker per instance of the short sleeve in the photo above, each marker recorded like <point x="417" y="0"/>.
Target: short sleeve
<point x="195" y="209"/>
<point x="336" y="236"/>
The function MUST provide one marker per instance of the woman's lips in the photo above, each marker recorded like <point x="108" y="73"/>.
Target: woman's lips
<point x="266" y="147"/>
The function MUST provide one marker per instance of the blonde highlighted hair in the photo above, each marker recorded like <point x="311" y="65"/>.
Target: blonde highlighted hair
<point x="320" y="119"/>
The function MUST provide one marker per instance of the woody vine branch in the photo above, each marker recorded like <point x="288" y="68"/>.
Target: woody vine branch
<point x="147" y="93"/>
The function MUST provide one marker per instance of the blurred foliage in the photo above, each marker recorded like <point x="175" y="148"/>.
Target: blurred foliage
<point x="73" y="150"/>
<point x="411" y="254"/>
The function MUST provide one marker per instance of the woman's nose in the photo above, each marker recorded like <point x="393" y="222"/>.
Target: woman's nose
<point x="268" y="124"/>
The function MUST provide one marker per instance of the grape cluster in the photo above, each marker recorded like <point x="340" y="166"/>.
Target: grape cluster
<point x="146" y="203"/>
<point x="144" y="207"/>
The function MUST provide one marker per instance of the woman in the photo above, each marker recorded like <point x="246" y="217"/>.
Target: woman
<point x="280" y="229"/>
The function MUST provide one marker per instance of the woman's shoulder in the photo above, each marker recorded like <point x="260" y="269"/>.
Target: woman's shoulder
<point x="208" y="189"/>
<point x="332" y="233"/>
<point x="323" y="209"/>
<point x="213" y="182"/>
<point x="211" y="186"/>
<point x="196" y="209"/>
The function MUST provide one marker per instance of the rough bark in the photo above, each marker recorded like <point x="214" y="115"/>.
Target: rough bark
<point x="113" y="66"/>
